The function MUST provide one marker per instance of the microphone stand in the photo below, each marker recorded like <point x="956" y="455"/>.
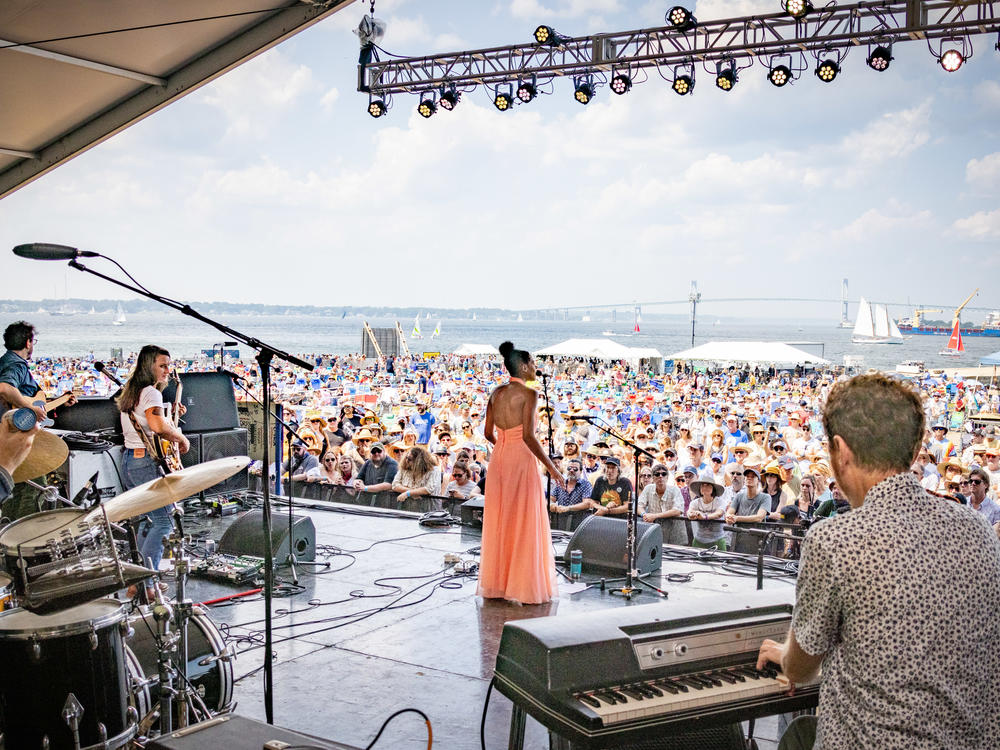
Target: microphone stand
<point x="265" y="354"/>
<point x="290" y="559"/>
<point x="766" y="535"/>
<point x="548" y="414"/>
<point x="628" y="589"/>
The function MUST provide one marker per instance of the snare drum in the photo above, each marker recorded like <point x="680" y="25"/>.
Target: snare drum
<point x="46" y="658"/>
<point x="213" y="681"/>
<point x="35" y="538"/>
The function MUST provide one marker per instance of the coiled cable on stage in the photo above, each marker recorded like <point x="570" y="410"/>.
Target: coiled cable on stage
<point x="427" y="721"/>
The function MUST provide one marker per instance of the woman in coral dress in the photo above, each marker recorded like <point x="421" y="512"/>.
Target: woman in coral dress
<point x="516" y="561"/>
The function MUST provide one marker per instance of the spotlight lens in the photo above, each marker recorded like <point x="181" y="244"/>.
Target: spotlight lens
<point x="780" y="75"/>
<point x="543" y="34"/>
<point x="952" y="60"/>
<point x="678" y="16"/>
<point x="879" y="59"/>
<point x="683" y="85"/>
<point x="426" y="108"/>
<point x="526" y="92"/>
<point x="502" y="102"/>
<point x="827" y="70"/>
<point x="449" y="100"/>
<point x="797" y="8"/>
<point x="725" y="80"/>
<point x="376" y="108"/>
<point x="621" y="84"/>
<point x="584" y="93"/>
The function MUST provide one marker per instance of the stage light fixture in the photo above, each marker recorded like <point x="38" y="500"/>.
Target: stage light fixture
<point x="449" y="98"/>
<point x="527" y="90"/>
<point x="827" y="70"/>
<point x="683" y="84"/>
<point x="951" y="60"/>
<point x="797" y="8"/>
<point x="725" y="75"/>
<point x="880" y="58"/>
<point x="550" y="37"/>
<point x="621" y="83"/>
<point x="779" y="75"/>
<point x="503" y="100"/>
<point x="377" y="107"/>
<point x="427" y="107"/>
<point x="584" y="89"/>
<point x="681" y="18"/>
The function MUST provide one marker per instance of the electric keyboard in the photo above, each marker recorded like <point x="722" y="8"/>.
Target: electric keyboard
<point x="639" y="672"/>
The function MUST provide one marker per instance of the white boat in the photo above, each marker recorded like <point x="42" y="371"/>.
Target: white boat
<point x="119" y="316"/>
<point x="92" y="311"/>
<point x="955" y="346"/>
<point x="520" y="318"/>
<point x="910" y="367"/>
<point x="437" y="330"/>
<point x="585" y="319"/>
<point x="415" y="333"/>
<point x="874" y="326"/>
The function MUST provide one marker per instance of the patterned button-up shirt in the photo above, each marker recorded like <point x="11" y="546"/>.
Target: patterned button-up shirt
<point x="902" y="595"/>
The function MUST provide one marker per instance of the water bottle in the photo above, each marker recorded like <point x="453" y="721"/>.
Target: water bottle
<point x="575" y="564"/>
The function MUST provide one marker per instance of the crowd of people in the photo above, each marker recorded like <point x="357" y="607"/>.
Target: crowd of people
<point x="730" y="444"/>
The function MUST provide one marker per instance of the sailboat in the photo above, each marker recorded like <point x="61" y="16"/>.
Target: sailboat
<point x="635" y="327"/>
<point x="119" y="316"/>
<point x="415" y="333"/>
<point x="437" y="330"/>
<point x="955" y="346"/>
<point x="874" y="326"/>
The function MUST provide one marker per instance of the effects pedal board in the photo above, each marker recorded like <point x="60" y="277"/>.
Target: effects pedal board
<point x="229" y="568"/>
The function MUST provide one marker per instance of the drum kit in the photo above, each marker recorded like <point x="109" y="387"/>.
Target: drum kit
<point x="86" y="671"/>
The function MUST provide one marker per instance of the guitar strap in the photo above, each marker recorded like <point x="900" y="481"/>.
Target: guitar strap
<point x="146" y="439"/>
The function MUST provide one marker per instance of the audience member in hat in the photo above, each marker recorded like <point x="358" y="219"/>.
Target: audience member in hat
<point x="661" y="502"/>
<point x="300" y="463"/>
<point x="749" y="506"/>
<point x="422" y="422"/>
<point x="377" y="472"/>
<point x="418" y="476"/>
<point x="572" y="502"/>
<point x="612" y="492"/>
<point x="696" y="456"/>
<point x="940" y="447"/>
<point x="707" y="505"/>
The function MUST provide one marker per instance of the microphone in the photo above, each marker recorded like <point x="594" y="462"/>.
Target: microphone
<point x="230" y="373"/>
<point x="583" y="418"/>
<point x="48" y="251"/>
<point x="99" y="366"/>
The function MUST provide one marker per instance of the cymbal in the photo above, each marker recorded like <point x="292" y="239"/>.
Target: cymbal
<point x="172" y="488"/>
<point x="48" y="452"/>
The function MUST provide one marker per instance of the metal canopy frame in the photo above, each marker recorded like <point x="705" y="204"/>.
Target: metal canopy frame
<point x="832" y="27"/>
<point x="107" y="110"/>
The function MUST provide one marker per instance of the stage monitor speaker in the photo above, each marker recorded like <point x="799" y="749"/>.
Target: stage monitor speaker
<point x="246" y="536"/>
<point x="224" y="444"/>
<point x="81" y="466"/>
<point x="232" y="732"/>
<point x="471" y="511"/>
<point x="89" y="414"/>
<point x="210" y="400"/>
<point x="603" y="543"/>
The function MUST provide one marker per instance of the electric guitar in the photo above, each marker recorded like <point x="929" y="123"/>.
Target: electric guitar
<point x="168" y="453"/>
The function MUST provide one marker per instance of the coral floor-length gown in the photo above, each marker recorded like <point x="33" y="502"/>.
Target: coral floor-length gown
<point x="516" y="561"/>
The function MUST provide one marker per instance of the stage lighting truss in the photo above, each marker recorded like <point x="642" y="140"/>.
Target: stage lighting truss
<point x="427" y="106"/>
<point x="527" y="89"/>
<point x="621" y="82"/>
<point x="879" y="56"/>
<point x="584" y="90"/>
<point x="787" y="42"/>
<point x="683" y="80"/>
<point x="952" y="53"/>
<point x="797" y="8"/>
<point x="449" y="97"/>
<point x="828" y="65"/>
<point x="680" y="18"/>
<point x="503" y="97"/>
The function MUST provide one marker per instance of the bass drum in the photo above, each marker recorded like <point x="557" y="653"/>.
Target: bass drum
<point x="213" y="681"/>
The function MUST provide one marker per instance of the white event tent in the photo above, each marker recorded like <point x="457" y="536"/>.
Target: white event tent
<point x="602" y="349"/>
<point x="476" y="350"/>
<point x="750" y="352"/>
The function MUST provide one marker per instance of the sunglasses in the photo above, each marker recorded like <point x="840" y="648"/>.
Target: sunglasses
<point x="659" y="473"/>
<point x="329" y="460"/>
<point x="778" y="449"/>
<point x="975" y="481"/>
<point x="376" y="450"/>
<point x="645" y="476"/>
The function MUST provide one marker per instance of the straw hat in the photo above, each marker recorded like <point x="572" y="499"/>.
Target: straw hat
<point x="952" y="463"/>
<point x="363" y="434"/>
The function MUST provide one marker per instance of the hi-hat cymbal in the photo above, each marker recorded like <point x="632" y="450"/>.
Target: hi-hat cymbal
<point x="48" y="452"/>
<point x="172" y="488"/>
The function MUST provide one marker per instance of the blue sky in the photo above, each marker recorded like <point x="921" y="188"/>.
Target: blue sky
<point x="273" y="184"/>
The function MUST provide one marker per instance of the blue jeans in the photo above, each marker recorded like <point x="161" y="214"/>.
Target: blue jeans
<point x="151" y="533"/>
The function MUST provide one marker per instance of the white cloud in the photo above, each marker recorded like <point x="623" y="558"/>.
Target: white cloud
<point x="329" y="99"/>
<point x="894" y="135"/>
<point x="982" y="225"/>
<point x="873" y="223"/>
<point x="984" y="172"/>
<point x="255" y="95"/>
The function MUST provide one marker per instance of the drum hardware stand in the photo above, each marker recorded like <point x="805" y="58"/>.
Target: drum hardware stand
<point x="163" y="613"/>
<point x="265" y="356"/>
<point x="182" y="614"/>
<point x="51" y="496"/>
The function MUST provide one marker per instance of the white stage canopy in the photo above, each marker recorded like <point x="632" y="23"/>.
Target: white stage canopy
<point x="597" y="348"/>
<point x="469" y="350"/>
<point x="750" y="352"/>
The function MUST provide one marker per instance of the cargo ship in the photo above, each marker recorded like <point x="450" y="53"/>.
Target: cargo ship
<point x="914" y="325"/>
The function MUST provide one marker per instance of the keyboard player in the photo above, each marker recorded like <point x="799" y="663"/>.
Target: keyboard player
<point x="897" y="599"/>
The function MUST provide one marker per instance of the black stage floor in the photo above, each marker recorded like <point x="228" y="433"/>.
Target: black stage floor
<point x="427" y="642"/>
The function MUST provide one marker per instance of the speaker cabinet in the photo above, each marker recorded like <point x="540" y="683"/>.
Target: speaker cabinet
<point x="471" y="511"/>
<point x="210" y="400"/>
<point x="233" y="732"/>
<point x="602" y="541"/>
<point x="81" y="466"/>
<point x="223" y="445"/>
<point x="246" y="536"/>
<point x="89" y="414"/>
